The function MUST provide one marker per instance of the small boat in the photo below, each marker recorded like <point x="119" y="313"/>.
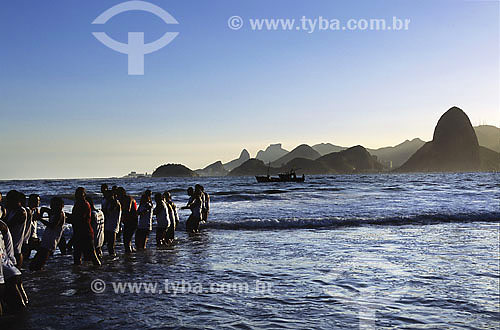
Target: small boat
<point x="290" y="176"/>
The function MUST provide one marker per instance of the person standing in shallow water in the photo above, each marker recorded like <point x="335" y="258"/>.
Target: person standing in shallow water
<point x="145" y="225"/>
<point x="162" y="220"/>
<point x="205" y="197"/>
<point x="52" y="234"/>
<point x="104" y="201"/>
<point x="2" y="280"/>
<point x="172" y="214"/>
<point x="31" y="241"/>
<point x="83" y="234"/>
<point x="15" y="296"/>
<point x="3" y="212"/>
<point x="16" y="221"/>
<point x="112" y="223"/>
<point x="195" y="205"/>
<point x="129" y="218"/>
<point x="97" y="222"/>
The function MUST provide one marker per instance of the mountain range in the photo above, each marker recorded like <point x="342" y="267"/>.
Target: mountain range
<point x="456" y="146"/>
<point x="351" y="160"/>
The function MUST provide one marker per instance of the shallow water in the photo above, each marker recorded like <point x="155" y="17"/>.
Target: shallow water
<point x="370" y="251"/>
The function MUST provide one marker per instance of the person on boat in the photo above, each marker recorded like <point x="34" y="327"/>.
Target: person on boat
<point x="172" y="214"/>
<point x="16" y="221"/>
<point x="31" y="241"/>
<point x="83" y="234"/>
<point x="129" y="218"/>
<point x="145" y="224"/>
<point x="112" y="220"/>
<point x="162" y="220"/>
<point x="195" y="204"/>
<point x="97" y="223"/>
<point x="15" y="296"/>
<point x="52" y="234"/>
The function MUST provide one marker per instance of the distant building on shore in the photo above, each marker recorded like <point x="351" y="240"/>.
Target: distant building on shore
<point x="135" y="175"/>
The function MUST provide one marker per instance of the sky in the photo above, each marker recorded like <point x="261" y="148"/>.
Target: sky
<point x="69" y="109"/>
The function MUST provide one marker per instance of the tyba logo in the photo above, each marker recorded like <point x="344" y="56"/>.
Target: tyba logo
<point x="135" y="48"/>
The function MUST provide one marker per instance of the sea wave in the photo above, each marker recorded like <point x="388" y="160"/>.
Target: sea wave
<point x="333" y="222"/>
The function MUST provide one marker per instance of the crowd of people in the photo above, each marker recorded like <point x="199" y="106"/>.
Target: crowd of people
<point x="120" y="218"/>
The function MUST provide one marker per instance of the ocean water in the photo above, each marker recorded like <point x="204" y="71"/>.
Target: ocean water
<point x="341" y="251"/>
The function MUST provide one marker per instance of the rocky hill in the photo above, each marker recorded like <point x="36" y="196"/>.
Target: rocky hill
<point x="215" y="169"/>
<point x="327" y="148"/>
<point x="488" y="136"/>
<point x="173" y="170"/>
<point x="353" y="160"/>
<point x="272" y="153"/>
<point x="454" y="148"/>
<point x="397" y="155"/>
<point x="244" y="156"/>
<point x="302" y="151"/>
<point x="252" y="167"/>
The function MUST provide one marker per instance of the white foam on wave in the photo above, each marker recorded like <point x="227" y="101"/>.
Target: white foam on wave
<point x="305" y="223"/>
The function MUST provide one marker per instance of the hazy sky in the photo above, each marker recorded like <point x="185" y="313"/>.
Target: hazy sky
<point x="68" y="108"/>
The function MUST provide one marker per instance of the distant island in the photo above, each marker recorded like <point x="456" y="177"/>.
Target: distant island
<point x="456" y="147"/>
<point x="173" y="170"/>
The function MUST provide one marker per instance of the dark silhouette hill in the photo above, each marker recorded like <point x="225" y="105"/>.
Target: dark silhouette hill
<point x="173" y="170"/>
<point x="454" y="147"/>
<point x="302" y="151"/>
<point x="272" y="153"/>
<point x="398" y="154"/>
<point x="244" y="156"/>
<point x="327" y="148"/>
<point x="305" y="166"/>
<point x="252" y="167"/>
<point x="215" y="169"/>
<point x="490" y="160"/>
<point x="488" y="136"/>
<point x="353" y="160"/>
